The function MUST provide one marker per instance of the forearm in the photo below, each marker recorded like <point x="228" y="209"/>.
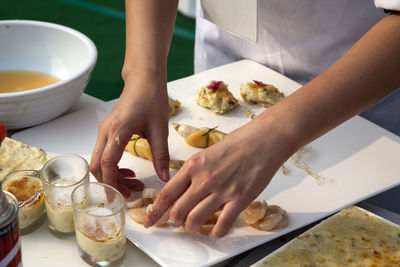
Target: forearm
<point x="366" y="73"/>
<point x="149" y="28"/>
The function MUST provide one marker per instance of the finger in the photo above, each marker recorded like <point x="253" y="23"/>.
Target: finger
<point x="126" y="172"/>
<point x="201" y="213"/>
<point x="225" y="221"/>
<point x="158" y="140"/>
<point x="95" y="167"/>
<point x="189" y="199"/>
<point x="124" y="190"/>
<point x="111" y="155"/>
<point x="167" y="196"/>
<point x="131" y="184"/>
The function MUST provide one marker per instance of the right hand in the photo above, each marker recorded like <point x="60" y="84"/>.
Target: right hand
<point x="141" y="109"/>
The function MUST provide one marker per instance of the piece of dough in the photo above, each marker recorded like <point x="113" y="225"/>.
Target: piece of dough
<point x="216" y="96"/>
<point x="264" y="95"/>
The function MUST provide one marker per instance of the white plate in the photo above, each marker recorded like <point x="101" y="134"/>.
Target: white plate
<point x="361" y="157"/>
<point x="260" y="262"/>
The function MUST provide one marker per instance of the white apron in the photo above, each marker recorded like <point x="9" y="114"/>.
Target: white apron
<point x="301" y="39"/>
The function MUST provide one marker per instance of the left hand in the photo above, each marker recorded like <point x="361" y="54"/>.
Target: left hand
<point x="227" y="175"/>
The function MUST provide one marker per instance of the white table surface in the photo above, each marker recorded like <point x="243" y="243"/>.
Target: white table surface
<point x="41" y="248"/>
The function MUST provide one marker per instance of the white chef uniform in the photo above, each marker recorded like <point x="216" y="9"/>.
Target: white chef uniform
<point x="301" y="39"/>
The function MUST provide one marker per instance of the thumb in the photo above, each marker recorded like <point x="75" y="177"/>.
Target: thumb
<point x="158" y="141"/>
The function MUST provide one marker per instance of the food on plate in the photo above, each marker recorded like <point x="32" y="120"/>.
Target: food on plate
<point x="139" y="147"/>
<point x="258" y="214"/>
<point x="139" y="207"/>
<point x="101" y="237"/>
<point x="264" y="95"/>
<point x="285" y="170"/>
<point x="174" y="106"/>
<point x="250" y="115"/>
<point x="199" y="137"/>
<point x="26" y="186"/>
<point x="15" y="155"/>
<point x="265" y="217"/>
<point x="352" y="237"/>
<point x="216" y="96"/>
<point x="255" y="211"/>
<point x="149" y="195"/>
<point x="298" y="160"/>
<point x="138" y="214"/>
<point x="206" y="228"/>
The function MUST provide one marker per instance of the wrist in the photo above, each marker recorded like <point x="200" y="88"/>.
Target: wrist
<point x="146" y="72"/>
<point x="276" y="132"/>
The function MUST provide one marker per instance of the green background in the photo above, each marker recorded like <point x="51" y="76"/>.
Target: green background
<point x="103" y="21"/>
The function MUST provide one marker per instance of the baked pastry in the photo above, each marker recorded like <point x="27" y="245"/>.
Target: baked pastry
<point x="15" y="155"/>
<point x="198" y="137"/>
<point x="139" y="147"/>
<point x="174" y="106"/>
<point x="264" y="95"/>
<point x="352" y="237"/>
<point x="216" y="96"/>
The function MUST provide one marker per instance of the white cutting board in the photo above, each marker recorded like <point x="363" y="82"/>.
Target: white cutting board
<point x="360" y="157"/>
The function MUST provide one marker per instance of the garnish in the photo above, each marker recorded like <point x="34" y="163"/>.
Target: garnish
<point x="258" y="82"/>
<point x="298" y="160"/>
<point x="207" y="134"/>
<point x="134" y="144"/>
<point x="285" y="170"/>
<point x="215" y="85"/>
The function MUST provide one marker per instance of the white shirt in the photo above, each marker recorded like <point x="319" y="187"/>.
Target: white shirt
<point x="300" y="39"/>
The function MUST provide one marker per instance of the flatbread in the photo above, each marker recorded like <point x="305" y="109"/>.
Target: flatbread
<point x="15" y="155"/>
<point x="352" y="237"/>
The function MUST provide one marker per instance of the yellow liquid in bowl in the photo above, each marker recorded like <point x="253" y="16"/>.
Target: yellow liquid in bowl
<point x="22" y="80"/>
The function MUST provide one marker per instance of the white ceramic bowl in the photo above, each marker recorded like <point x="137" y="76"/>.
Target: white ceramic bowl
<point x="49" y="48"/>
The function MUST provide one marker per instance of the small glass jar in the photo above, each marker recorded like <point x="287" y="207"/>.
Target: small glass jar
<point x="27" y="188"/>
<point x="99" y="215"/>
<point x="60" y="175"/>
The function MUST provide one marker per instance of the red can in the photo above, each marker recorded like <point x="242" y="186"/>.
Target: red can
<point x="10" y="244"/>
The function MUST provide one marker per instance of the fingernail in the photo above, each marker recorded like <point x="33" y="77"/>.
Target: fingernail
<point x="165" y="174"/>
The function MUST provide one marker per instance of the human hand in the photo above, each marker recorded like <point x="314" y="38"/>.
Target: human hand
<point x="227" y="175"/>
<point x="141" y="110"/>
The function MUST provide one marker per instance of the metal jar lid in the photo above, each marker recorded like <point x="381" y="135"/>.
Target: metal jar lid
<point x="8" y="208"/>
